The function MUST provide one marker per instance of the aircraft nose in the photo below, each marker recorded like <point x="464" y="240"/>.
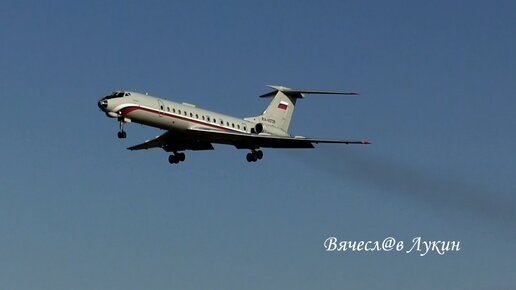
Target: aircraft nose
<point x="102" y="104"/>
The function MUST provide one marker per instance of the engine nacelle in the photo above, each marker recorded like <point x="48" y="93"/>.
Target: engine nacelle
<point x="258" y="128"/>
<point x="268" y="130"/>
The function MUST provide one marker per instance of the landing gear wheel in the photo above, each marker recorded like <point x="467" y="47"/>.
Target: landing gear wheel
<point x="176" y="158"/>
<point x="250" y="157"/>
<point x="172" y="159"/>
<point x="258" y="154"/>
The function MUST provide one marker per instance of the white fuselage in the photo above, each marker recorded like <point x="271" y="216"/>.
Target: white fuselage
<point x="168" y="115"/>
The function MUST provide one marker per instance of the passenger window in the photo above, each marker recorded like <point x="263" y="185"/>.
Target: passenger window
<point x="196" y="116"/>
<point x="191" y="115"/>
<point x="238" y="126"/>
<point x="245" y="129"/>
<point x="179" y="111"/>
<point x="161" y="107"/>
<point x="233" y="125"/>
<point x="222" y="122"/>
<point x="214" y="120"/>
<point x="185" y="113"/>
<point x="168" y="109"/>
<point x="174" y="110"/>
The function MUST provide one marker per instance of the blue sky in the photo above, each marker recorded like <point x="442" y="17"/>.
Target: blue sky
<point x="78" y="211"/>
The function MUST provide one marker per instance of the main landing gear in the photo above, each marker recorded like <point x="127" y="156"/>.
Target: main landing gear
<point x="121" y="134"/>
<point x="176" y="158"/>
<point x="254" y="155"/>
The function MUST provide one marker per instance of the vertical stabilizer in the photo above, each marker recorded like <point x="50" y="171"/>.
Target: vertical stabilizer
<point x="279" y="112"/>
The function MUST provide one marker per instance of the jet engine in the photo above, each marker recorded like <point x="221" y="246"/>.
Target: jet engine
<point x="258" y="128"/>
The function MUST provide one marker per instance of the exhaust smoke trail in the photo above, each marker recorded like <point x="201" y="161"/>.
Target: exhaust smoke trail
<point x="434" y="189"/>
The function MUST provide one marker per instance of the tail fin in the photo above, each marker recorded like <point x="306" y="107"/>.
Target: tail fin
<point x="280" y="110"/>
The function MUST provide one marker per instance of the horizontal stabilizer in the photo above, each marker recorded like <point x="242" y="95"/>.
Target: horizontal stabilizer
<point x="296" y="93"/>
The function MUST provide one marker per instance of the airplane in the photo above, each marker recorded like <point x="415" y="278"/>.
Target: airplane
<point x="189" y="127"/>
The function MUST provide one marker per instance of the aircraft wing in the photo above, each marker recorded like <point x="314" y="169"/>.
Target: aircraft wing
<point x="202" y="139"/>
<point x="157" y="142"/>
<point x="169" y="141"/>
<point x="254" y="141"/>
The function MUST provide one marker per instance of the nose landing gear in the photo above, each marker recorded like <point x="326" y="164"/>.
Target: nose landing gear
<point x="121" y="134"/>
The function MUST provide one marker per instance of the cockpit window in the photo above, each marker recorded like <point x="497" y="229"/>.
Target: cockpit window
<point x="116" y="95"/>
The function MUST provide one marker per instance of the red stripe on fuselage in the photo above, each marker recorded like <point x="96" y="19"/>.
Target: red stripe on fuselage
<point x="129" y="109"/>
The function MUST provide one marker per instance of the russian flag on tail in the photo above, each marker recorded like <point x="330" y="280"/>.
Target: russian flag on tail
<point x="283" y="105"/>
